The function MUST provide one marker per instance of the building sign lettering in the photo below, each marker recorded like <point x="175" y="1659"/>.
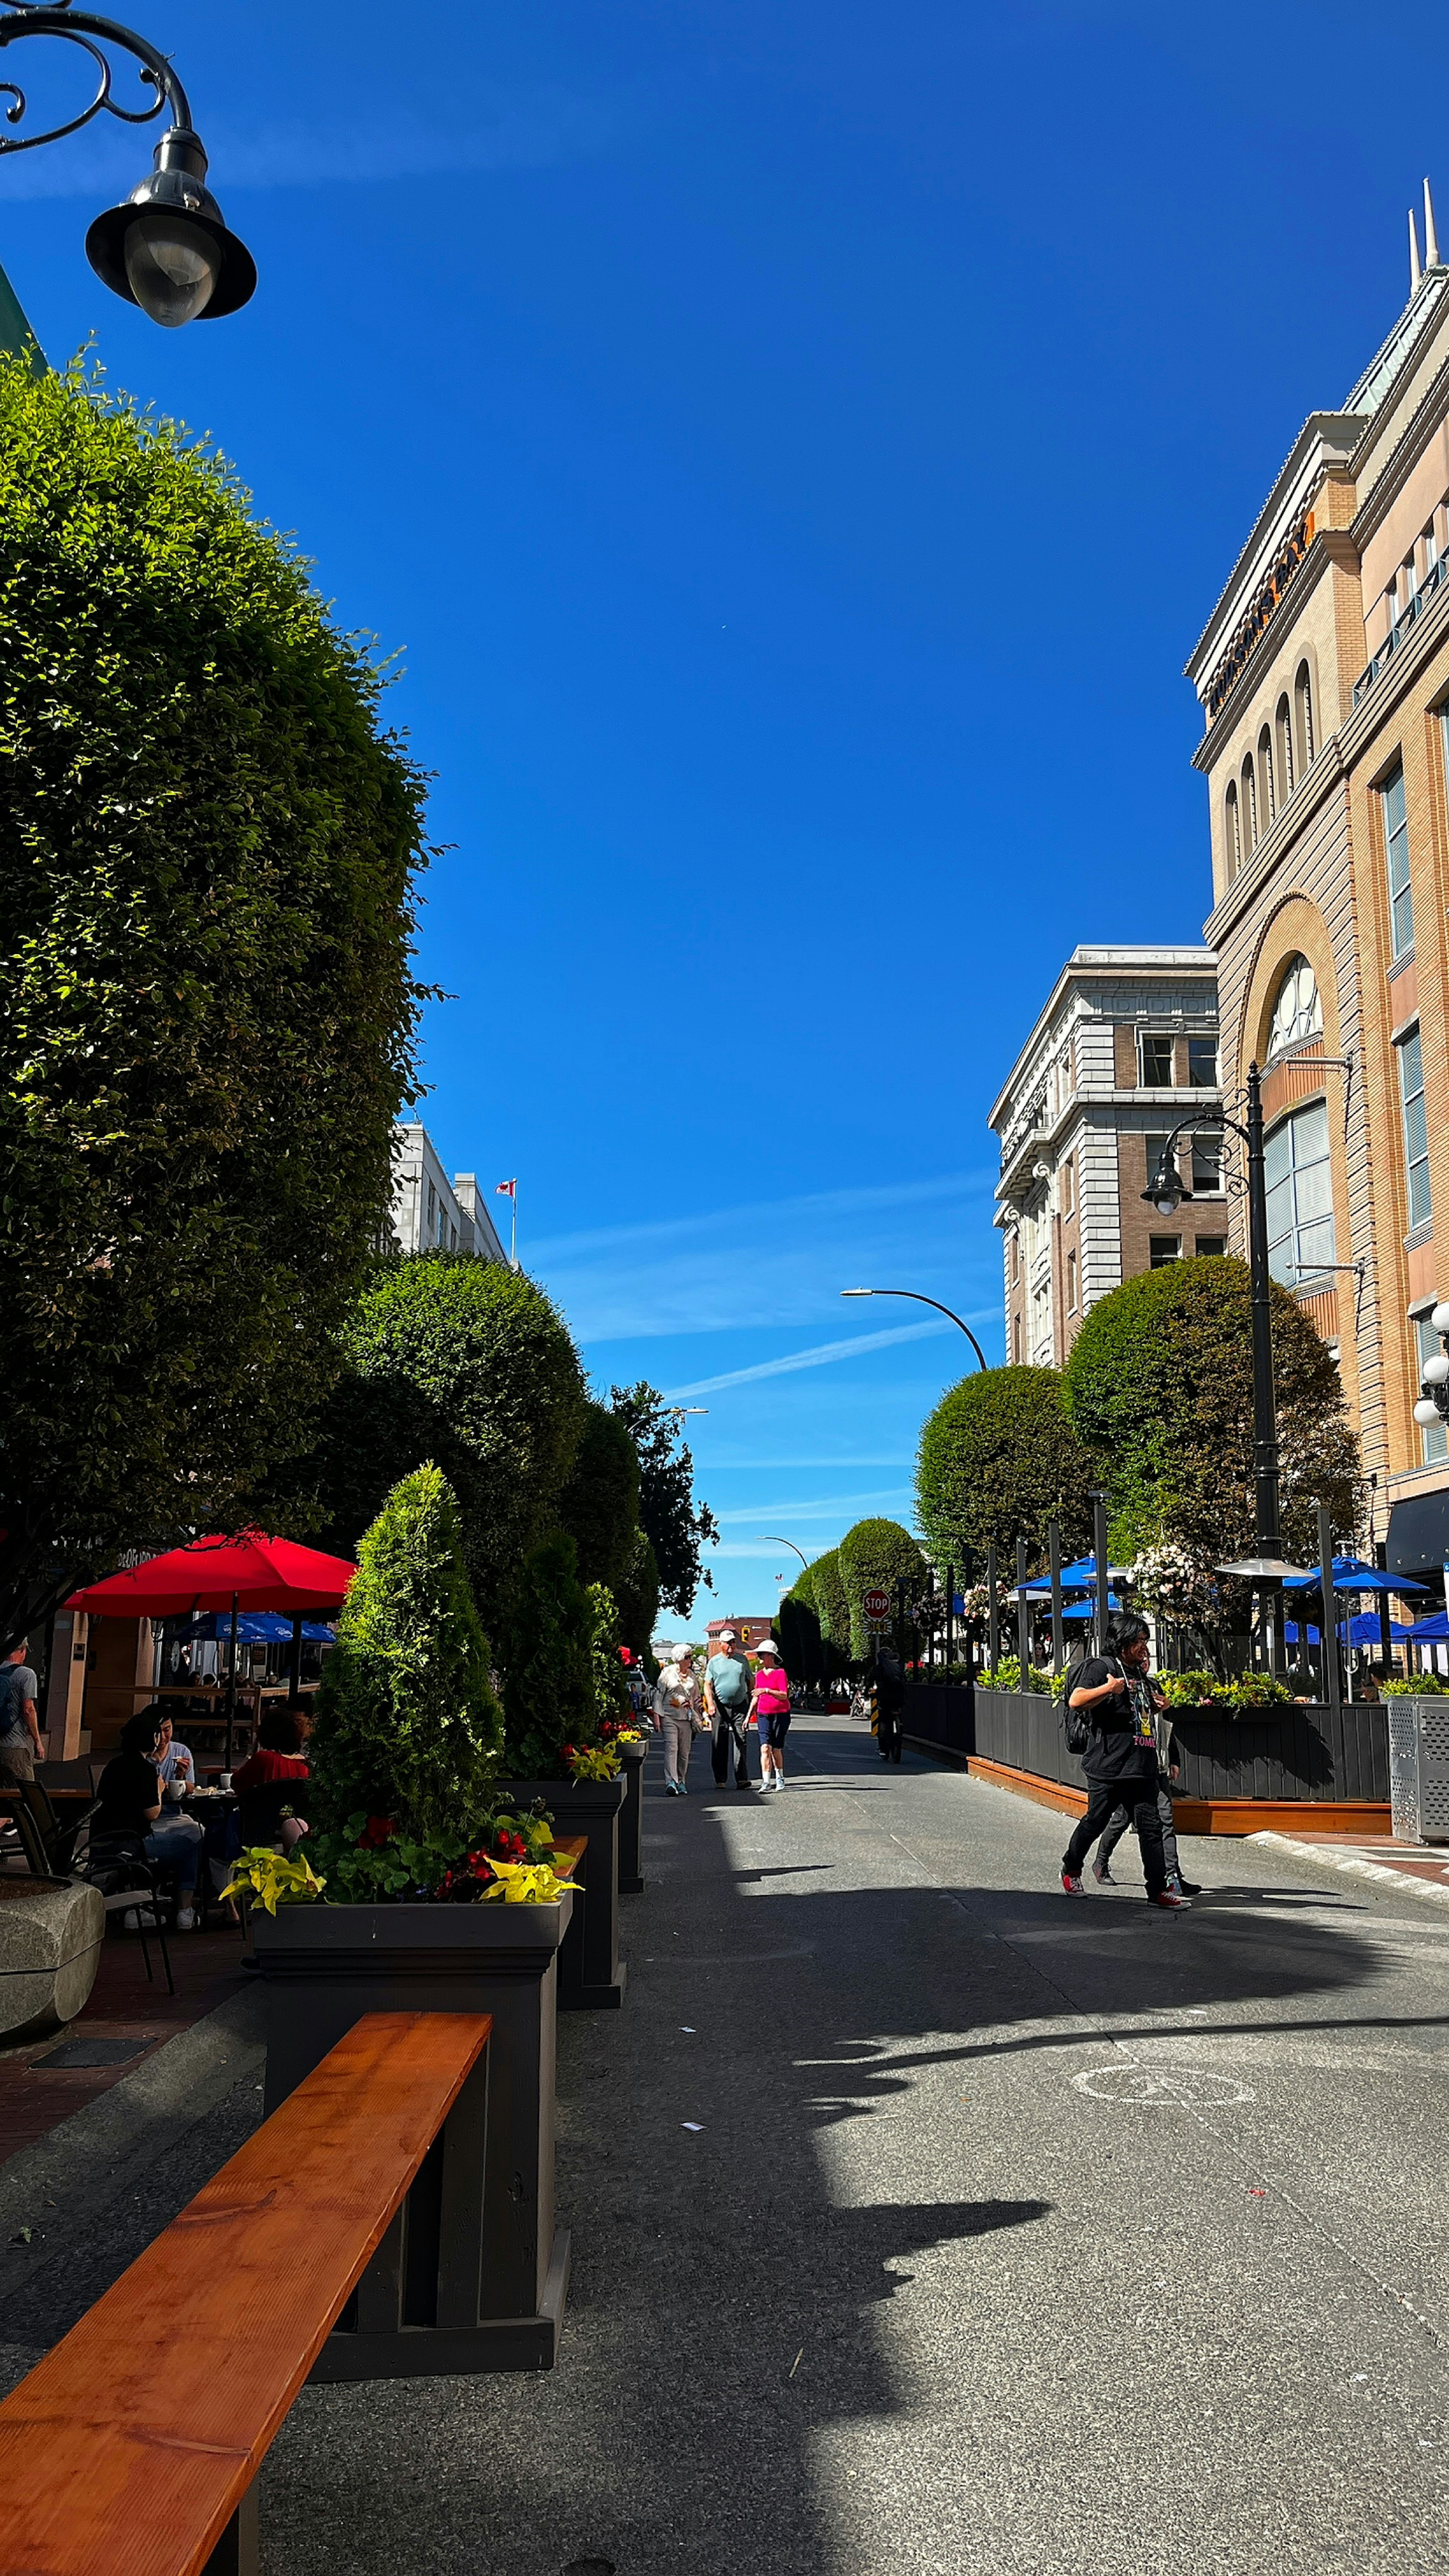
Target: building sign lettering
<point x="1260" y="611"/>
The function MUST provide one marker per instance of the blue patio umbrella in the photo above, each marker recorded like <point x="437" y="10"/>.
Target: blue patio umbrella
<point x="1432" y="1631"/>
<point x="1350" y="1574"/>
<point x="261" y="1628"/>
<point x="1362" y="1631"/>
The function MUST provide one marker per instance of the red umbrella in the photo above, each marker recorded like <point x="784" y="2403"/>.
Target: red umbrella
<point x="248" y="1572"/>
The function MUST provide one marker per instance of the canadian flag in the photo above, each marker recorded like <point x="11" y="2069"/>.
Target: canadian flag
<point x="506" y="1190"/>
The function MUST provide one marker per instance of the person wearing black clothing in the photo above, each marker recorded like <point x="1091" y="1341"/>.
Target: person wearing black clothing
<point x="130" y="1805"/>
<point x="1114" y="1696"/>
<point x="889" y="1684"/>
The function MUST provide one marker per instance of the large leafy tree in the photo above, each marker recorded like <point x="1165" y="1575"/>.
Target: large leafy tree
<point x="550" y="1643"/>
<point x="998" y="1459"/>
<point x="876" y="1553"/>
<point x="831" y="1602"/>
<point x="599" y="1506"/>
<point x="462" y="1360"/>
<point x="676" y="1526"/>
<point x="1160" y="1383"/>
<point x="206" y="845"/>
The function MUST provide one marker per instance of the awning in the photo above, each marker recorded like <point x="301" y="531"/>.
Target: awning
<point x="248" y="1572"/>
<point x="1419" y="1533"/>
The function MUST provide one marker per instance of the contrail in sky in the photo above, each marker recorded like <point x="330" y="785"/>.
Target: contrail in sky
<point x="820" y="1357"/>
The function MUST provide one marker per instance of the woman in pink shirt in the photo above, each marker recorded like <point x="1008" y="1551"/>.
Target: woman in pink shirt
<point x="770" y="1708"/>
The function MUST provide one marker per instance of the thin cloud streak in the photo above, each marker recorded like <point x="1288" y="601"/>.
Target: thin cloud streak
<point x="814" y="1205"/>
<point x="810" y="1511"/>
<point x="822" y="1356"/>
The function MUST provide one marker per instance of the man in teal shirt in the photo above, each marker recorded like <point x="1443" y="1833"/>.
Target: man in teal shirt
<point x="727" y="1685"/>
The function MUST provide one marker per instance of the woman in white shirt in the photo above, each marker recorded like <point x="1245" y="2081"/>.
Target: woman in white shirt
<point x="677" y="1704"/>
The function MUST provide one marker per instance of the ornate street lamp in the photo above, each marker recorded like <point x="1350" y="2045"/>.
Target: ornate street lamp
<point x="1433" y="1405"/>
<point x="166" y="248"/>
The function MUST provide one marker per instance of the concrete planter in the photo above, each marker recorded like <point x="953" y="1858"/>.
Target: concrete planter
<point x="631" y="1821"/>
<point x="590" y="1978"/>
<point x="50" y="1946"/>
<point x="473" y="2274"/>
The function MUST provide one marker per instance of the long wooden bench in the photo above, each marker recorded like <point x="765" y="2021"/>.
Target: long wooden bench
<point x="132" y="2449"/>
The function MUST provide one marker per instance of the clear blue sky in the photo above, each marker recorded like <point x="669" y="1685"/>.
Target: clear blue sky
<point x="793" y="445"/>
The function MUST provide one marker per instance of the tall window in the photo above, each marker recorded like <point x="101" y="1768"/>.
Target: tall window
<point x="1396" y="845"/>
<point x="1283" y="727"/>
<point x="1016" y="1341"/>
<point x="1202" y="1063"/>
<point x="1071" y="1283"/>
<point x="1163" y="1248"/>
<point x="1232" y="837"/>
<point x="1207" y="1164"/>
<point x="1300" y="1195"/>
<point x="1303" y="719"/>
<point x="1250" y="804"/>
<point x="1416" y="1127"/>
<point x="1436" y="1441"/>
<point x="1155" y="1058"/>
<point x="1069" y="1187"/>
<point x="1297" y="1010"/>
<point x="1265" y="772"/>
<point x="1015" y="1259"/>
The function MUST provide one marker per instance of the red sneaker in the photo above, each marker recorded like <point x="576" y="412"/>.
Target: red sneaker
<point x="1170" y="1902"/>
<point x="1071" y="1886"/>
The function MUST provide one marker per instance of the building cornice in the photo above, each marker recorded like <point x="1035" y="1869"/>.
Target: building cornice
<point x="1330" y="546"/>
<point x="1091" y="964"/>
<point x="1412" y="439"/>
<point x="1326" y="439"/>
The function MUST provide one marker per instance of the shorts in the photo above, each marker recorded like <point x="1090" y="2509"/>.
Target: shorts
<point x="17" y="1759"/>
<point x="774" y="1727"/>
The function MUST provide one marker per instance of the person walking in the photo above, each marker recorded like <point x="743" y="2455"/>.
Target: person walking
<point x="1167" y="1771"/>
<point x="1114" y="1696"/>
<point x="20" y="1746"/>
<point x="728" y="1684"/>
<point x="677" y="1706"/>
<point x="770" y="1708"/>
<point x="888" y="1684"/>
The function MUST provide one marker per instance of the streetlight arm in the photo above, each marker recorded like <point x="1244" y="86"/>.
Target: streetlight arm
<point x="76" y="27"/>
<point x="786" y="1542"/>
<point x="921" y="1300"/>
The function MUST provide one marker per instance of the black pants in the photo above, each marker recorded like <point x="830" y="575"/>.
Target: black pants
<point x="1122" y="1820"/>
<point x="888" y="1734"/>
<point x="727" y="1727"/>
<point x="1104" y="1797"/>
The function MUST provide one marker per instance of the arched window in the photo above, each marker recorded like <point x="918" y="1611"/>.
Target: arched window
<point x="1298" y="1174"/>
<point x="1265" y="772"/>
<point x="1297" y="1010"/>
<point x="1303" y="719"/>
<point x="1250" y="806"/>
<point x="1283" y="723"/>
<point x="1232" y="835"/>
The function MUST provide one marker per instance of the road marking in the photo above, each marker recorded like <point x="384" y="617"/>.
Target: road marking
<point x="1187" y="2086"/>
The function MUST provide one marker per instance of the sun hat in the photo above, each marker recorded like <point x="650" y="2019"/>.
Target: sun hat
<point x="766" y="1646"/>
<point x="729" y="1636"/>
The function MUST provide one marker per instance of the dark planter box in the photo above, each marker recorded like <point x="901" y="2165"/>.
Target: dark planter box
<point x="590" y="1978"/>
<point x="1267" y="1753"/>
<point x="941" y="1714"/>
<point x="473" y="2274"/>
<point x="631" y="1821"/>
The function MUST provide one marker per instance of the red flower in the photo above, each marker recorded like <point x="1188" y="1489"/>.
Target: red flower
<point x="378" y="1830"/>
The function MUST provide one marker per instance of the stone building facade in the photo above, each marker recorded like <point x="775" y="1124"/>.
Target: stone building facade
<point x="1125" y="1048"/>
<point x="430" y="1213"/>
<point x="1323" y="676"/>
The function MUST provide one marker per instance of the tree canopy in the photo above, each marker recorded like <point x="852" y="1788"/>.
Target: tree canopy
<point x="876" y="1552"/>
<point x="551" y="1683"/>
<point x="676" y="1527"/>
<point x="998" y="1459"/>
<point x="831" y="1601"/>
<point x="206" y="851"/>
<point x="1160" y="1383"/>
<point x="599" y="1505"/>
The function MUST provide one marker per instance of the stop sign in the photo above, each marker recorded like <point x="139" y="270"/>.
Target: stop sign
<point x="877" y="1604"/>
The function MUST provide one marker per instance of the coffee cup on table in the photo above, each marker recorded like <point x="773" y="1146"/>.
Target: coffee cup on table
<point x="224" y="1780"/>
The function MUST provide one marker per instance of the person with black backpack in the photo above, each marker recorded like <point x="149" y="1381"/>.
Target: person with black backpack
<point x="1112" y="1697"/>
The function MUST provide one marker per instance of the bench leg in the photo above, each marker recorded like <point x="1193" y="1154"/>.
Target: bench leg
<point x="236" y="2552"/>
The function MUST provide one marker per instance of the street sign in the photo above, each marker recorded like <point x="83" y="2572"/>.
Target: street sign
<point x="877" y="1605"/>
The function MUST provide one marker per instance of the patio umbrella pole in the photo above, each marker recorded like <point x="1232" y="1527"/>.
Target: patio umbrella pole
<point x="1328" y="1623"/>
<point x="294" y="1660"/>
<point x="231" y="1685"/>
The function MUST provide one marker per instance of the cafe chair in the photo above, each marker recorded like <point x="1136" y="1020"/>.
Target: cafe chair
<point x="117" y="1867"/>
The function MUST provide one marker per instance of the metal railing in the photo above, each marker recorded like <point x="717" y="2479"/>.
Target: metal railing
<point x="1433" y="581"/>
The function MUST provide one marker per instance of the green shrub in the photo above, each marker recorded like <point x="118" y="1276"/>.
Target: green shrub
<point x="998" y="1459"/>
<point x="832" y="1603"/>
<point x="637" y="1595"/>
<point x="550" y="1690"/>
<point x="1006" y="1676"/>
<point x="1250" y="1690"/>
<point x="877" y="1552"/>
<point x="206" y="848"/>
<point x="599" y="1505"/>
<point x="1415" y="1686"/>
<point x="407" y="1724"/>
<point x="1187" y="1690"/>
<point x="611" y="1690"/>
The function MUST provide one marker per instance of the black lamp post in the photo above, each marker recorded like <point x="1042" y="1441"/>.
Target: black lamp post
<point x="1166" y="1194"/>
<point x="166" y="248"/>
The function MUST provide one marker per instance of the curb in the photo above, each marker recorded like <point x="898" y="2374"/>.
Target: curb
<point x="1395" y="1878"/>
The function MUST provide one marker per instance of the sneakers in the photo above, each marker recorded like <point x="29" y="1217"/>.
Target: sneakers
<point x="671" y="1788"/>
<point x="1071" y="1886"/>
<point x="1102" y="1874"/>
<point x="1170" y="1901"/>
<point x="185" y="1918"/>
<point x="1184" y="1886"/>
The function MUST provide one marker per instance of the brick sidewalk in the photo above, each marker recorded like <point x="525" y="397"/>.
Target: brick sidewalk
<point x="122" y="2008"/>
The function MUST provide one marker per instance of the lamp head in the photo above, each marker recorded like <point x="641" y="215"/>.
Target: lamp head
<point x="166" y="248"/>
<point x="857" y="1292"/>
<point x="1165" y="1193"/>
<point x="1439" y="1320"/>
<point x="1426" y="1414"/>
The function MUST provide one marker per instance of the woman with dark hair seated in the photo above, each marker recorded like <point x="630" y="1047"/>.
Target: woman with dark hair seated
<point x="130" y="1810"/>
<point x="272" y="1777"/>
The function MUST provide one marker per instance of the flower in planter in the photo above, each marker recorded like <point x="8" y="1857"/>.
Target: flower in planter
<point x="273" y="1879"/>
<point x="515" y="1884"/>
<point x="592" y="1761"/>
<point x="377" y="1831"/>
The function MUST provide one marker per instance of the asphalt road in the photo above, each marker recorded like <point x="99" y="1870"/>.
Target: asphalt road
<point x="1016" y="2233"/>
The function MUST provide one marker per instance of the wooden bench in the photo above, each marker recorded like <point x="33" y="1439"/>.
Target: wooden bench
<point x="131" y="2450"/>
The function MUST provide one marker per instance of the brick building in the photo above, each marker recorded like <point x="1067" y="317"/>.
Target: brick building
<point x="748" y="1631"/>
<point x="1323" y="676"/>
<point x="1125" y="1048"/>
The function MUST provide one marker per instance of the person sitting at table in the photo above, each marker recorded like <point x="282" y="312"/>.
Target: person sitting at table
<point x="271" y="1777"/>
<point x="130" y="1806"/>
<point x="174" y="1760"/>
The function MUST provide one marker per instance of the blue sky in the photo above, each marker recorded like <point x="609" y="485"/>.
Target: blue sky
<point x="793" y="448"/>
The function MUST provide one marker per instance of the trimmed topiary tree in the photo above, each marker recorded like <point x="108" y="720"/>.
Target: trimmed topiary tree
<point x="1160" y="1382"/>
<point x="832" y="1604"/>
<point x="797" y="1632"/>
<point x="612" y="1703"/>
<point x="599" y="1505"/>
<point x="407" y="1725"/>
<point x="550" y="1689"/>
<point x="206" y="849"/>
<point x="637" y="1597"/>
<point x="997" y="1460"/>
<point x="877" y="1552"/>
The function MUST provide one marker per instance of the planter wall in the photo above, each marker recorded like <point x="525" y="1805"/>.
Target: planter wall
<point x="590" y="1978"/>
<point x="473" y="2275"/>
<point x="941" y="1713"/>
<point x="1270" y="1754"/>
<point x="631" y="1821"/>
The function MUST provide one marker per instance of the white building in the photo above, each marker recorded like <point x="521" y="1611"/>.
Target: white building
<point x="430" y="1213"/>
<point x="1126" y="1046"/>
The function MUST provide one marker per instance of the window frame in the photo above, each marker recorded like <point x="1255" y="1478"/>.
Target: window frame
<point x="1205" y="1082"/>
<point x="1395" y="826"/>
<point x="1293" y="1273"/>
<point x="1158" y="1255"/>
<point x="1418" y="1186"/>
<point x="1155" y="1038"/>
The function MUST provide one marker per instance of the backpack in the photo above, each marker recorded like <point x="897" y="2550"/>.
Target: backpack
<point x="1078" y="1726"/>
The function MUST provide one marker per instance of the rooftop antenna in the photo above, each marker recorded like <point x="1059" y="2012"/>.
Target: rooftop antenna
<point x="1415" y="271"/>
<point x="1431" y="237"/>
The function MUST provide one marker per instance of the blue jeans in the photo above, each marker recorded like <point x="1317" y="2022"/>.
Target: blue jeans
<point x="174" y="1842"/>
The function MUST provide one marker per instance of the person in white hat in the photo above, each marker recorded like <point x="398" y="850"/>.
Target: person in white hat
<point x="678" y="1709"/>
<point x="727" y="1682"/>
<point x="770" y="1708"/>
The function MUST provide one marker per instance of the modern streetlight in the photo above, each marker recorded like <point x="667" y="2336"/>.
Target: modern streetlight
<point x="1166" y="1193"/>
<point x="922" y="1301"/>
<point x="166" y="248"/>
<point x="786" y="1542"/>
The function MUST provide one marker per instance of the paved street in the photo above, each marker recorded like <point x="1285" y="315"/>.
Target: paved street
<point x="1016" y="2235"/>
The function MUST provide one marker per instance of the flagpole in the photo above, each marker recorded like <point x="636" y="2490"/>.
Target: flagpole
<point x="513" y="1243"/>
